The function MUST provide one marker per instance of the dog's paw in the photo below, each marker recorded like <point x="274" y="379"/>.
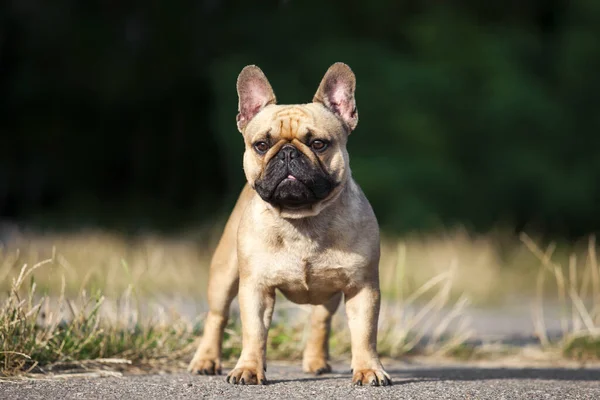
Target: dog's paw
<point x="372" y="377"/>
<point x="316" y="366"/>
<point x="247" y="376"/>
<point x="205" y="366"/>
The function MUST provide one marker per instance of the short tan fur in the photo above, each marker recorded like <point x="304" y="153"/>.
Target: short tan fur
<point x="315" y="252"/>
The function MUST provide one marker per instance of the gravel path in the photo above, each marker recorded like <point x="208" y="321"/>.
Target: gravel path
<point x="288" y="382"/>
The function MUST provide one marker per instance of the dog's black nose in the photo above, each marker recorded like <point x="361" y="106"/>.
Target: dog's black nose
<point x="288" y="152"/>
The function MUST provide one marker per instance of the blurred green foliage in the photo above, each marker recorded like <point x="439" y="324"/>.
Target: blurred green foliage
<point x="471" y="113"/>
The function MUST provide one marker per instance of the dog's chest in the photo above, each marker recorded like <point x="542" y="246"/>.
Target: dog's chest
<point x="308" y="272"/>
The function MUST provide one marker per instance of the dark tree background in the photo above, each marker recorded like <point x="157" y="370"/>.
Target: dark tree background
<point x="121" y="114"/>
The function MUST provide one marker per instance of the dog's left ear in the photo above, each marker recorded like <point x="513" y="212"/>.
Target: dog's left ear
<point x="336" y="92"/>
<point x="254" y="93"/>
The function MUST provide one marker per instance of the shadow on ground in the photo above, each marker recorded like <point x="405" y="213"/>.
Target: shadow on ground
<point x="474" y="374"/>
<point x="411" y="374"/>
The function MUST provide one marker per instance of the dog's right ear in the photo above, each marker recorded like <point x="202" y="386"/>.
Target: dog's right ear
<point x="254" y="93"/>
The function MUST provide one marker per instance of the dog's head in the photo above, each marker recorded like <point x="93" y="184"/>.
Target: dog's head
<point x="296" y="157"/>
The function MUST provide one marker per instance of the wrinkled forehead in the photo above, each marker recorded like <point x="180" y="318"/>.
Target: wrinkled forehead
<point x="288" y="122"/>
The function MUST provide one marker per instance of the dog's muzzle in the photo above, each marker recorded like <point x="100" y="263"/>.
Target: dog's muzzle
<point x="291" y="180"/>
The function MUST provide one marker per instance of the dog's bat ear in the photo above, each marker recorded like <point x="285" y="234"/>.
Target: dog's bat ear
<point x="336" y="92"/>
<point x="254" y="93"/>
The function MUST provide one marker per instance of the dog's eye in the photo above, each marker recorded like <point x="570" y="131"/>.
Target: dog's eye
<point x="318" y="145"/>
<point x="261" y="147"/>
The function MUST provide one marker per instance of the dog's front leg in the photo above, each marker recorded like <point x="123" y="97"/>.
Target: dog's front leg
<point x="316" y="353"/>
<point x="256" y="308"/>
<point x="362" y="308"/>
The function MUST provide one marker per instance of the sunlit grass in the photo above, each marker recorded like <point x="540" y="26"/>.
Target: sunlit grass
<point x="42" y="334"/>
<point x="111" y="263"/>
<point x="86" y="320"/>
<point x="485" y="266"/>
<point x="101" y="301"/>
<point x="576" y="288"/>
<point x="424" y="313"/>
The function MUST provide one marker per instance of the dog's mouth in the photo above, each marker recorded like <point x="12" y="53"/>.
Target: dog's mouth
<point x="291" y="181"/>
<point x="293" y="193"/>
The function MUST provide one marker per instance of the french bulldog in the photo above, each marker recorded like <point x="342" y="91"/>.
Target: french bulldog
<point x="302" y="226"/>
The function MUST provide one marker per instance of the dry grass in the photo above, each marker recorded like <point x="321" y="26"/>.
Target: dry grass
<point x="110" y="263"/>
<point x="485" y="265"/>
<point x="477" y="265"/>
<point x="96" y="300"/>
<point x="91" y="333"/>
<point x="576" y="286"/>
<point x="90" y="300"/>
<point x="44" y="334"/>
<point x="420" y="318"/>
